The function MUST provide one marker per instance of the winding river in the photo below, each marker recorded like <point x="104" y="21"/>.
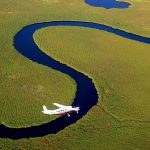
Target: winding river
<point x="86" y="94"/>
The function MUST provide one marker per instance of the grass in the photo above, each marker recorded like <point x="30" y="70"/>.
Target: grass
<point x="120" y="69"/>
<point x="26" y="86"/>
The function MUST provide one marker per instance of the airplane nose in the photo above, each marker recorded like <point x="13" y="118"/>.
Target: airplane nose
<point x="78" y="108"/>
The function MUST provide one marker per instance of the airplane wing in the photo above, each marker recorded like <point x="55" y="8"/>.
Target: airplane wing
<point x="59" y="105"/>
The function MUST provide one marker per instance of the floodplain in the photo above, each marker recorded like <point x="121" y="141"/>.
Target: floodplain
<point x="119" y="68"/>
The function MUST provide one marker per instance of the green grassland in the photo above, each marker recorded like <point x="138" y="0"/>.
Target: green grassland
<point x="119" y="68"/>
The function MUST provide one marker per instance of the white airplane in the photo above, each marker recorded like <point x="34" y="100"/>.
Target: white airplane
<point x="62" y="110"/>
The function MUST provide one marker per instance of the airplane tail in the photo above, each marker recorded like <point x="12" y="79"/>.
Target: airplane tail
<point x="45" y="110"/>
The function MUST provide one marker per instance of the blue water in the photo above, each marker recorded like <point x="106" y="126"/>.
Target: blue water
<point x="108" y="4"/>
<point x="86" y="95"/>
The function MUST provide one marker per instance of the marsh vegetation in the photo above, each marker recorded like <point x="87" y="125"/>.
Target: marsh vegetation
<point x="118" y="66"/>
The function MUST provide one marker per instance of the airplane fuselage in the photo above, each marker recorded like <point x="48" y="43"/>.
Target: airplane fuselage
<point x="64" y="110"/>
